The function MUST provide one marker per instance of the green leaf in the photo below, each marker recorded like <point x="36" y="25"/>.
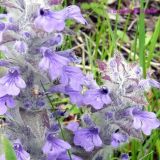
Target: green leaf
<point x="75" y="110"/>
<point x="85" y="6"/>
<point x="8" y="149"/>
<point x="123" y="36"/>
<point x="158" y="147"/>
<point x="141" y="24"/>
<point x="153" y="42"/>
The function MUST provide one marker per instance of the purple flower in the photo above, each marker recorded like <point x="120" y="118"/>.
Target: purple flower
<point x="51" y="21"/>
<point x="75" y="96"/>
<point x="54" y="128"/>
<point x="63" y="156"/>
<point x="13" y="27"/>
<point x="11" y="83"/>
<point x="27" y="35"/>
<point x="117" y="139"/>
<point x="6" y="101"/>
<point x="73" y="126"/>
<point x="108" y="115"/>
<point x="21" y="154"/>
<point x="54" y="2"/>
<point x="20" y="47"/>
<point x="54" y="41"/>
<point x="146" y="121"/>
<point x="88" y="138"/>
<point x="124" y="156"/>
<point x="90" y="82"/>
<point x="73" y="77"/>
<point x="97" y="97"/>
<point x="55" y="146"/>
<point x="147" y="83"/>
<point x="53" y="63"/>
<point x="70" y="55"/>
<point x="87" y="120"/>
<point x="2" y="28"/>
<point x="3" y="63"/>
<point x="60" y="88"/>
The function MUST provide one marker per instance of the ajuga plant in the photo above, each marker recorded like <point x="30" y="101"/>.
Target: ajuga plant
<point x="34" y="74"/>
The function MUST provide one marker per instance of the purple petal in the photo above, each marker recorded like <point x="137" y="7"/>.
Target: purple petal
<point x="73" y="12"/>
<point x="44" y="64"/>
<point x="55" y="71"/>
<point x="146" y="121"/>
<point x="3" y="63"/>
<point x="10" y="102"/>
<point x="54" y="2"/>
<point x="154" y="83"/>
<point x="12" y="90"/>
<point x="106" y="99"/>
<point x="58" y="89"/>
<point x="114" y="144"/>
<point x="97" y="141"/>
<point x="124" y="156"/>
<point x="137" y="123"/>
<point x="52" y="22"/>
<point x="20" y="83"/>
<point x="1" y="36"/>
<point x="73" y="126"/>
<point x="2" y="91"/>
<point x="3" y="80"/>
<point x="55" y="146"/>
<point x="46" y="148"/>
<point x="2" y="26"/>
<point x="3" y="109"/>
<point x="24" y="156"/>
<point x="147" y="126"/>
<point x="63" y="144"/>
<point x="20" y="47"/>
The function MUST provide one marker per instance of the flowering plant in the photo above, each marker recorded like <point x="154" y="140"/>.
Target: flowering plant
<point x="34" y="72"/>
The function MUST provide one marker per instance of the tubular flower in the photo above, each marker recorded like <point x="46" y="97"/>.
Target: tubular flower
<point x="21" y="154"/>
<point x="2" y="29"/>
<point x="51" y="21"/>
<point x="63" y="156"/>
<point x="117" y="139"/>
<point x="146" y="121"/>
<point x="53" y="63"/>
<point x="90" y="138"/>
<point x="55" y="146"/>
<point x="6" y="101"/>
<point x="20" y="47"/>
<point x="11" y="83"/>
<point x="97" y="97"/>
<point x="73" y="77"/>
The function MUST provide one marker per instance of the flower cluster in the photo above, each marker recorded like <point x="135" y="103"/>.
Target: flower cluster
<point x="111" y="113"/>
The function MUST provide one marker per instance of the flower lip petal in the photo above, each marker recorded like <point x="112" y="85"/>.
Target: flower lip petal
<point x="3" y="109"/>
<point x="2" y="26"/>
<point x="20" y="83"/>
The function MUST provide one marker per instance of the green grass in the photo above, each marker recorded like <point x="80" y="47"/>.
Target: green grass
<point x="141" y="37"/>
